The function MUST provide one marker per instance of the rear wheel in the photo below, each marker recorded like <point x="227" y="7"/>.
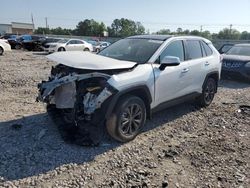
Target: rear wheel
<point x="61" y="49"/>
<point x="208" y="93"/>
<point x="86" y="50"/>
<point x="1" y="51"/>
<point x="127" y="119"/>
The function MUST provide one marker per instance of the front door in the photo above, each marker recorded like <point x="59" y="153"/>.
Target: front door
<point x="172" y="82"/>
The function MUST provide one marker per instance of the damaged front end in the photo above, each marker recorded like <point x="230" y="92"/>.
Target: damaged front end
<point x="79" y="98"/>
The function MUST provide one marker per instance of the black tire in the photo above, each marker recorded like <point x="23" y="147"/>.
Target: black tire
<point x="1" y="51"/>
<point x="98" y="50"/>
<point x="61" y="49"/>
<point x="208" y="93"/>
<point x="18" y="46"/>
<point x="132" y="123"/>
<point x="86" y="50"/>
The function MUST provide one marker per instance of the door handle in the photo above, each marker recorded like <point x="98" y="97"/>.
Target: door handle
<point x="207" y="63"/>
<point x="185" y="70"/>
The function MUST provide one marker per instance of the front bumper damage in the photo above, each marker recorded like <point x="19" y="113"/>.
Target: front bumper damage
<point x="85" y="97"/>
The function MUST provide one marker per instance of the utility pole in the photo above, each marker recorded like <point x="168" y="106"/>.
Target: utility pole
<point x="230" y="30"/>
<point x="32" y="20"/>
<point x="201" y="28"/>
<point x="46" y="21"/>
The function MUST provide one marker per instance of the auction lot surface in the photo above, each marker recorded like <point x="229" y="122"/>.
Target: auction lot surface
<point x="180" y="147"/>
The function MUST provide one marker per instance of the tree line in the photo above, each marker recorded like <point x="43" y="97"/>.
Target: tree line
<point x="119" y="28"/>
<point x="125" y="27"/>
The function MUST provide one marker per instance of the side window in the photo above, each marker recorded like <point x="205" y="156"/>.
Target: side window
<point x="79" y="42"/>
<point x="207" y="49"/>
<point x="194" y="49"/>
<point x="174" y="49"/>
<point x="72" y="42"/>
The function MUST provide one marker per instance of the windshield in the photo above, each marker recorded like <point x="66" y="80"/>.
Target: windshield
<point x="63" y="40"/>
<point x="239" y="50"/>
<point x="136" y="50"/>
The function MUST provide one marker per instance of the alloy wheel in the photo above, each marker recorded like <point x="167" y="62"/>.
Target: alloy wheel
<point x="131" y="119"/>
<point x="209" y="92"/>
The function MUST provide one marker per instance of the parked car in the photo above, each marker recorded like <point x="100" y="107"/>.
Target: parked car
<point x="4" y="46"/>
<point x="129" y="80"/>
<point x="225" y="47"/>
<point x="236" y="62"/>
<point x="48" y="40"/>
<point x="7" y="36"/>
<point x="69" y="45"/>
<point x="33" y="43"/>
<point x="101" y="46"/>
<point x="17" y="42"/>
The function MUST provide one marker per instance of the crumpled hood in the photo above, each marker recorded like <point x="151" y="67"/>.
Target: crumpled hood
<point x="87" y="60"/>
<point x="236" y="57"/>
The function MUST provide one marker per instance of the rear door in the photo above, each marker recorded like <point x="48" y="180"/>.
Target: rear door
<point x="80" y="45"/>
<point x="198" y="63"/>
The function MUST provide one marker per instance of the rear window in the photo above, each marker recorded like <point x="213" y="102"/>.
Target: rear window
<point x="207" y="49"/>
<point x="194" y="49"/>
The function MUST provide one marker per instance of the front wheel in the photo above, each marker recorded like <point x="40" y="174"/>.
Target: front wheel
<point x="61" y="49"/>
<point x="1" y="51"/>
<point x="208" y="93"/>
<point x="86" y="50"/>
<point x="127" y="119"/>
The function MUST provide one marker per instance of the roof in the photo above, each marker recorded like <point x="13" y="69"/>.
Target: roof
<point x="244" y="44"/>
<point x="152" y="37"/>
<point x="22" y="25"/>
<point x="6" y="25"/>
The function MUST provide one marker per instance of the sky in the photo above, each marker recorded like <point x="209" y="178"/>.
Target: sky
<point x="213" y="15"/>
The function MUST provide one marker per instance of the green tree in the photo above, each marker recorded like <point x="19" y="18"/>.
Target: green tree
<point x="42" y="30"/>
<point x="164" y="32"/>
<point x="195" y="33"/>
<point x="61" y="31"/>
<point x="227" y="33"/>
<point x="125" y="27"/>
<point x="245" y="35"/>
<point x="179" y="30"/>
<point x="206" y="34"/>
<point x="90" y="28"/>
<point x="186" y="32"/>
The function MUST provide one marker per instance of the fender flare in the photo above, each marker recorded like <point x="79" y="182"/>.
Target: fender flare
<point x="213" y="74"/>
<point x="146" y="93"/>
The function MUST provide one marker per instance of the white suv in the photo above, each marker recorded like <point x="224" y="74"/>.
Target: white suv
<point x="123" y="84"/>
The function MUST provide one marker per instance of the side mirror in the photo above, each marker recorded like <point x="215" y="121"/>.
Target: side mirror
<point x="169" y="61"/>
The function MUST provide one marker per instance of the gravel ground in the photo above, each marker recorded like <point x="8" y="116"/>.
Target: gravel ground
<point x="180" y="147"/>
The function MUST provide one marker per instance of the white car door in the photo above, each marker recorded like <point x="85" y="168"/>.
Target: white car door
<point x="80" y="45"/>
<point x="198" y="63"/>
<point x="172" y="82"/>
<point x="71" y="45"/>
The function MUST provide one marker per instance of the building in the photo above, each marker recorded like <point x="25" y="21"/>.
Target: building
<point x="17" y="28"/>
<point x="5" y="28"/>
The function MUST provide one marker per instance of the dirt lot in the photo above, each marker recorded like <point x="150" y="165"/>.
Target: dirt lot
<point x="180" y="147"/>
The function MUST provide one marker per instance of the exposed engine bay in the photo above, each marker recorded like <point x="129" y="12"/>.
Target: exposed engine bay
<point x="84" y="94"/>
<point x="79" y="97"/>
